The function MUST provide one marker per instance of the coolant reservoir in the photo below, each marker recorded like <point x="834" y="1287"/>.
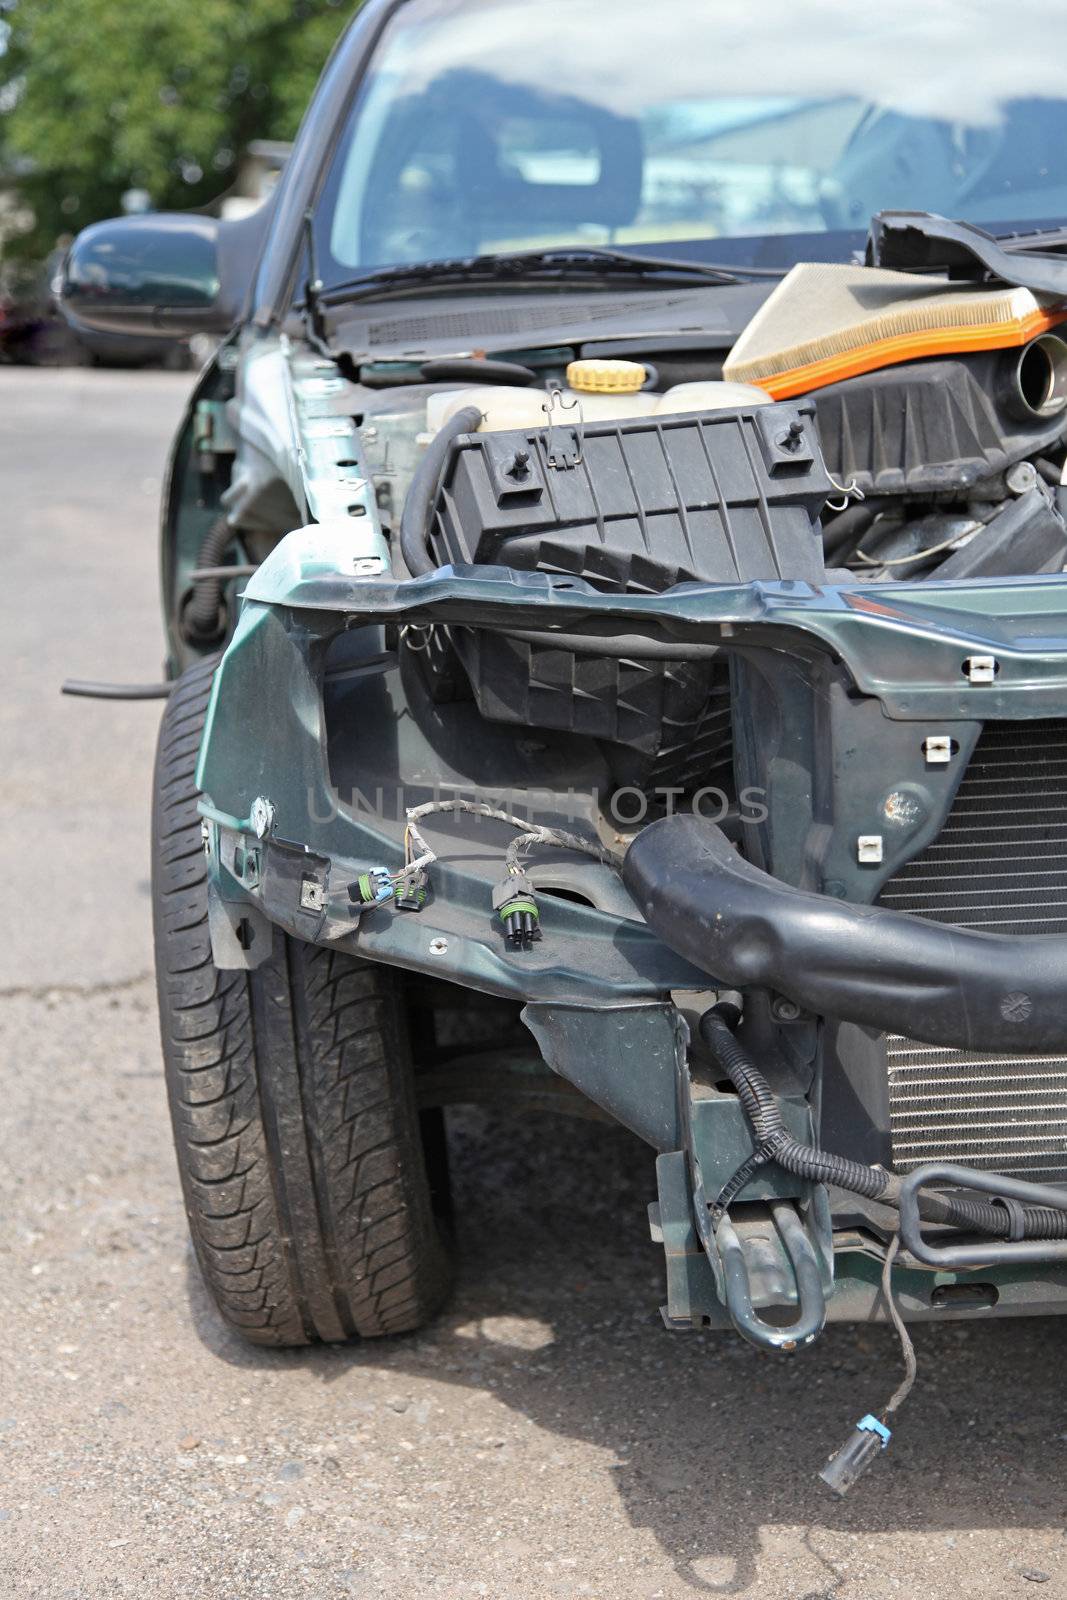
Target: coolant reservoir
<point x="503" y="407"/>
<point x="597" y="375"/>
<point x="709" y="397"/>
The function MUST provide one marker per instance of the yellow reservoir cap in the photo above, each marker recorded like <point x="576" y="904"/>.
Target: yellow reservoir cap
<point x="603" y="376"/>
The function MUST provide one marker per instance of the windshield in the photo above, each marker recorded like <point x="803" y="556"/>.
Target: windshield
<point x="753" y="133"/>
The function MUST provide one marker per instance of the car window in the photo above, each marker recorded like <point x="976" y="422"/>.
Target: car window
<point x="493" y="124"/>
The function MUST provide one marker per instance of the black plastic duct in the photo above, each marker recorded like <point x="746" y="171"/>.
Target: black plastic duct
<point x="943" y="985"/>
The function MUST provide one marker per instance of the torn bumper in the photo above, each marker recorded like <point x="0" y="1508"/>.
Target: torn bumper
<point x="868" y="680"/>
<point x="286" y="843"/>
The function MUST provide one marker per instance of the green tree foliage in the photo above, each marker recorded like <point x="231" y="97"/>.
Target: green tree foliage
<point x="105" y="96"/>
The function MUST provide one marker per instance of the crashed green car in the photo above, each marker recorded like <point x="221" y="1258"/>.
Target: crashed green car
<point x="617" y="657"/>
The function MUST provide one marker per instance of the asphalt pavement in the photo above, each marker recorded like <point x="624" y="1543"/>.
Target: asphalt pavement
<point x="546" y="1436"/>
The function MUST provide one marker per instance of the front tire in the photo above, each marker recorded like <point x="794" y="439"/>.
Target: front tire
<point x="292" y="1103"/>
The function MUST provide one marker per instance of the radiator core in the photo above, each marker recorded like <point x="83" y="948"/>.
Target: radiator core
<point x="1000" y="864"/>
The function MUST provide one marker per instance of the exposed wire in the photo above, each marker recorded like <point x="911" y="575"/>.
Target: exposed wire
<point x="530" y="835"/>
<point x="563" y="841"/>
<point x="413" y="864"/>
<point x="919" y="555"/>
<point x="417" y="637"/>
<point x="907" y="1349"/>
<point x="848" y="491"/>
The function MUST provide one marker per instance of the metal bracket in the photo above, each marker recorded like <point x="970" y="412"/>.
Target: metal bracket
<point x="212" y="430"/>
<point x="242" y="938"/>
<point x="810" y="1297"/>
<point x="561" y="456"/>
<point x="724" y="1248"/>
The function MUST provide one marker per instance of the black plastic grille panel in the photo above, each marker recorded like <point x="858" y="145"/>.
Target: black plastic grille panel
<point x="484" y="321"/>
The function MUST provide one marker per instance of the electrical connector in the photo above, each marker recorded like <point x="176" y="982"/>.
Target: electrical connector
<point x="371" y="888"/>
<point x="515" y="904"/>
<point x="868" y="1439"/>
<point x="411" y="893"/>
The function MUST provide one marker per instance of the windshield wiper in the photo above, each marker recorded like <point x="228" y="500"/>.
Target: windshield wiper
<point x="562" y="264"/>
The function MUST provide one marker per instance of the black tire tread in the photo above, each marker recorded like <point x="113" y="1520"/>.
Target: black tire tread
<point x="291" y="1100"/>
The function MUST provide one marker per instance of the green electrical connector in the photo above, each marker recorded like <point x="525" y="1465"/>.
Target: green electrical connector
<point x="371" y="888"/>
<point x="413" y="892"/>
<point x="515" y="904"/>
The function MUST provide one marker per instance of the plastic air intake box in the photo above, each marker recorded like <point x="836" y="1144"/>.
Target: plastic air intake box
<point x="642" y="503"/>
<point x="633" y="505"/>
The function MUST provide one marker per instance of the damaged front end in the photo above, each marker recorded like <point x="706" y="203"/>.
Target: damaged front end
<point x="749" y="835"/>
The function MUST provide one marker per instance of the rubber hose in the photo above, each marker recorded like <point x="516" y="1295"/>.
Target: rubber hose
<point x="982" y="1216"/>
<point x="203" y="615"/>
<point x="761" y="1108"/>
<point x="418" y="507"/>
<point x="90" y="689"/>
<point x="471" y="369"/>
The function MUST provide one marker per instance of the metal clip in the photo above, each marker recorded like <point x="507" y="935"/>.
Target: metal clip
<point x="848" y="491"/>
<point x="560" y="457"/>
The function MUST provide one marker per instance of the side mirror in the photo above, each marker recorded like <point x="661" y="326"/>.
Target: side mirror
<point x="153" y="274"/>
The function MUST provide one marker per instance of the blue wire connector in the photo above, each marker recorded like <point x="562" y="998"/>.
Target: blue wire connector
<point x="371" y="888"/>
<point x="868" y="1439"/>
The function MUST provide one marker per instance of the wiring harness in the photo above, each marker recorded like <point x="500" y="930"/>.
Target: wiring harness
<point x="514" y="899"/>
<point x="774" y="1142"/>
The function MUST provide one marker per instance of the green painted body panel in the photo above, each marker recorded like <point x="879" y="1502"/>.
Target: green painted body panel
<point x="903" y="645"/>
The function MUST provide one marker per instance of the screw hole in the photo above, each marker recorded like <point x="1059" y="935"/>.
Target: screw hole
<point x="979" y="1295"/>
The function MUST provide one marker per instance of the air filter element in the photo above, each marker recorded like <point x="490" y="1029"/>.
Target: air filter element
<point x="825" y="322"/>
